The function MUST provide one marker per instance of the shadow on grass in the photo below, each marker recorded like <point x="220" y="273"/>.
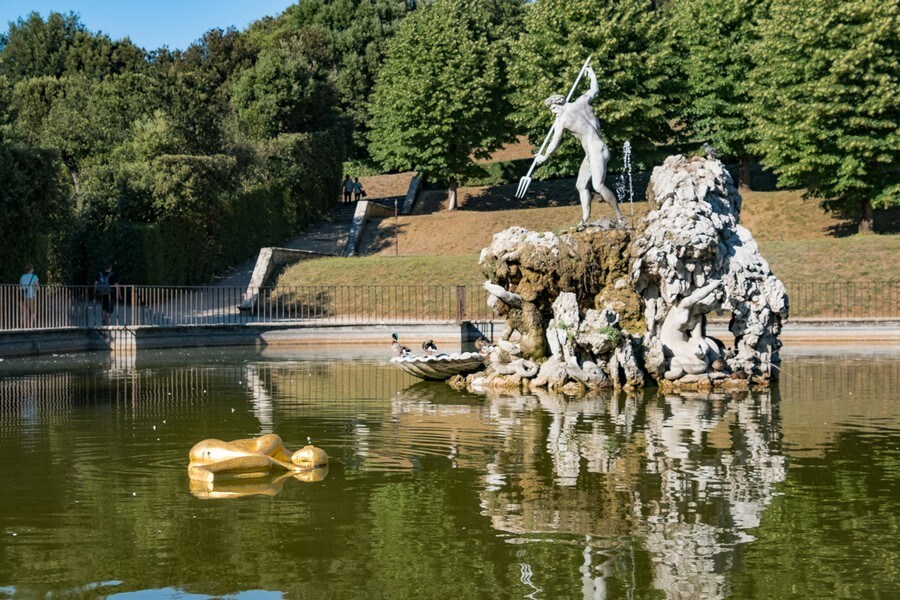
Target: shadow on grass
<point x="540" y="194"/>
<point x="887" y="222"/>
<point x="381" y="235"/>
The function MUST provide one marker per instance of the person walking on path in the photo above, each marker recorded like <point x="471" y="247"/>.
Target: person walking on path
<point x="29" y="284"/>
<point x="347" y="187"/>
<point x="358" y="191"/>
<point x="107" y="287"/>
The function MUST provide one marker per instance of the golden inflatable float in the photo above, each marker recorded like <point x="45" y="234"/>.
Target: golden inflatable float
<point x="221" y="469"/>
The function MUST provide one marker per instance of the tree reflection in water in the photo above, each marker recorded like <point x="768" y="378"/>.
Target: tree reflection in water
<point x="509" y="495"/>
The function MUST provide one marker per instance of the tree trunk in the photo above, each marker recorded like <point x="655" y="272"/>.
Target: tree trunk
<point x="69" y="161"/>
<point x="744" y="172"/>
<point x="451" y="194"/>
<point x="867" y="219"/>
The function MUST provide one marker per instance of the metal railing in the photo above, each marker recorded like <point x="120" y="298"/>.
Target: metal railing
<point x="844" y="300"/>
<point x="81" y="307"/>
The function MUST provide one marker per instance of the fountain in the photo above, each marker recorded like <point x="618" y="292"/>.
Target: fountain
<point x="600" y="306"/>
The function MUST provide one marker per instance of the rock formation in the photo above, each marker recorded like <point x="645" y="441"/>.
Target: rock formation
<point x="598" y="306"/>
<point x="693" y="257"/>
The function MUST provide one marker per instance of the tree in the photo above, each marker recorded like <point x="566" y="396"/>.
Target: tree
<point x="359" y="31"/>
<point x="32" y="209"/>
<point x="62" y="45"/>
<point x="825" y="101"/>
<point x="715" y="36"/>
<point x="289" y="89"/>
<point x="78" y="116"/>
<point x="72" y="90"/>
<point x="640" y="89"/>
<point x="194" y="87"/>
<point x="440" y="99"/>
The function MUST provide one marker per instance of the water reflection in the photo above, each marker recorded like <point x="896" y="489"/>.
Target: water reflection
<point x="267" y="486"/>
<point x="688" y="475"/>
<point x="543" y="496"/>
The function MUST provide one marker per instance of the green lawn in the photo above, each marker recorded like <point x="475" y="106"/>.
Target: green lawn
<point x="857" y="258"/>
<point x="794" y="236"/>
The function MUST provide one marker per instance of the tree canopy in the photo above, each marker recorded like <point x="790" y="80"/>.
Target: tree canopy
<point x="441" y="96"/>
<point x="358" y="32"/>
<point x="62" y="45"/>
<point x="825" y="100"/>
<point x="714" y="37"/>
<point x="289" y="89"/>
<point x="165" y="151"/>
<point x="640" y="85"/>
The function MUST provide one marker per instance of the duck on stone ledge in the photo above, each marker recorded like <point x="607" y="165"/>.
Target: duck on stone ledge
<point x="397" y="348"/>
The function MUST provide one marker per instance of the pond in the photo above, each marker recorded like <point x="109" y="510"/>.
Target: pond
<point x="434" y="493"/>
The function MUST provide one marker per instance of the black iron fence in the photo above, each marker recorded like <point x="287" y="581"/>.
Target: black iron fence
<point x="53" y="306"/>
<point x="845" y="300"/>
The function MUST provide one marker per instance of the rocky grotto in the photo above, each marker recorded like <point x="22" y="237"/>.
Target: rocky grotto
<point x="601" y="306"/>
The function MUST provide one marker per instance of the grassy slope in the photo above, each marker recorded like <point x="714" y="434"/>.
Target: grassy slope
<point x="795" y="236"/>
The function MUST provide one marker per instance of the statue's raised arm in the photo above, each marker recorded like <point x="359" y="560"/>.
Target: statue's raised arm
<point x="578" y="117"/>
<point x="589" y="95"/>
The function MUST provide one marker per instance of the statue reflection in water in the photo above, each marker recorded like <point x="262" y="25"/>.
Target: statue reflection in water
<point x="267" y="486"/>
<point x="688" y="475"/>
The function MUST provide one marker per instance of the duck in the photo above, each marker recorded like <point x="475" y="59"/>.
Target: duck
<point x="397" y="348"/>
<point x="484" y="346"/>
<point x="429" y="347"/>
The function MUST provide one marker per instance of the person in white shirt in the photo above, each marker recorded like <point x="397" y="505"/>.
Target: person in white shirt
<point x="29" y="284"/>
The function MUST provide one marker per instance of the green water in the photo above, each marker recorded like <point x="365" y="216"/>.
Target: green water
<point x="433" y="493"/>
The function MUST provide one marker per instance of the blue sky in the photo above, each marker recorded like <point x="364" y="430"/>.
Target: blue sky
<point x="150" y="23"/>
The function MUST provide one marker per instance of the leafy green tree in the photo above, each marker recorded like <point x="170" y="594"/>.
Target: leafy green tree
<point x="62" y="45"/>
<point x="440" y="100"/>
<point x="195" y="107"/>
<point x="194" y="87"/>
<point x="222" y="53"/>
<point x="359" y="31"/>
<point x="289" y="89"/>
<point x="78" y="116"/>
<point x="640" y="84"/>
<point x="6" y="91"/>
<point x="825" y="101"/>
<point x="32" y="209"/>
<point x="73" y="91"/>
<point x="715" y="37"/>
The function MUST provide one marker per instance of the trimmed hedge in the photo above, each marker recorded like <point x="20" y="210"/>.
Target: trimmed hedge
<point x="207" y="221"/>
<point x="32" y="208"/>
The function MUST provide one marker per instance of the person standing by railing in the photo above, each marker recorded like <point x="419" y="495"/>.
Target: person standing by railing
<point x="107" y="287"/>
<point x="29" y="284"/>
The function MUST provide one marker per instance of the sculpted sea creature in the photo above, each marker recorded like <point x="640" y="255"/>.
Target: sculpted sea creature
<point x="250" y="458"/>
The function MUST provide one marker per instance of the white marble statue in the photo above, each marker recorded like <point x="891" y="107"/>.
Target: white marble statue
<point x="579" y="118"/>
<point x="682" y="334"/>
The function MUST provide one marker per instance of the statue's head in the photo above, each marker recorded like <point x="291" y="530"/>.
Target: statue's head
<point x="309" y="457"/>
<point x="555" y="103"/>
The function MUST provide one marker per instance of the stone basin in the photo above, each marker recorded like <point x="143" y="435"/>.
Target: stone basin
<point x="440" y="367"/>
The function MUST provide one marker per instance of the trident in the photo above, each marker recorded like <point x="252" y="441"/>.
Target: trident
<point x="526" y="181"/>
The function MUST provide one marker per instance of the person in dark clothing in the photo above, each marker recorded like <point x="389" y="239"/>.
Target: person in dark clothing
<point x="107" y="287"/>
<point x="347" y="188"/>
